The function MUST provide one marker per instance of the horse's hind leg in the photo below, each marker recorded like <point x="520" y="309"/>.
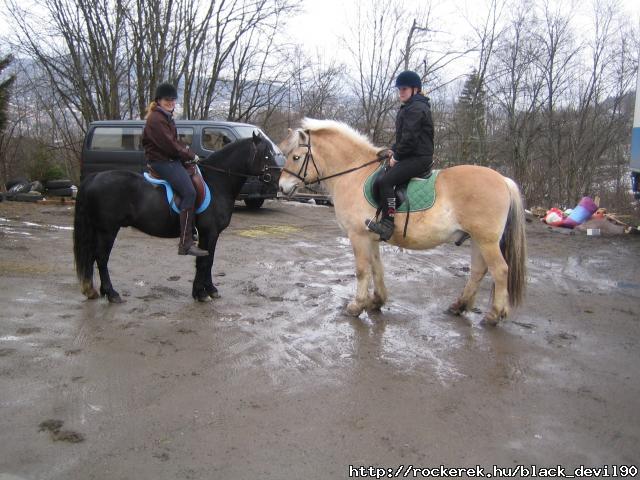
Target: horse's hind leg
<point x="478" y="271"/>
<point x="499" y="272"/>
<point x="104" y="245"/>
<point x="362" y="251"/>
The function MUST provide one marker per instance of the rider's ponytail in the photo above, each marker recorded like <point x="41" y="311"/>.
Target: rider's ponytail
<point x="150" y="108"/>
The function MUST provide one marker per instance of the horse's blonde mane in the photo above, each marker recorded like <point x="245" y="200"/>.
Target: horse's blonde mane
<point x="315" y="125"/>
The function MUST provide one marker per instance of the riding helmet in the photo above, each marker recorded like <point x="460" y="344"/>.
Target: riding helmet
<point x="409" y="78"/>
<point x="166" y="90"/>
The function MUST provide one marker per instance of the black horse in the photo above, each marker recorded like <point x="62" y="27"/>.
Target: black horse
<point x="110" y="200"/>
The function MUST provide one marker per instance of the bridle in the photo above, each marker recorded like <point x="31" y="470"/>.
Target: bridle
<point x="264" y="177"/>
<point x="308" y="158"/>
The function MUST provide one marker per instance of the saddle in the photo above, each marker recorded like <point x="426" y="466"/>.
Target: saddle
<point x="203" y="193"/>
<point x="417" y="194"/>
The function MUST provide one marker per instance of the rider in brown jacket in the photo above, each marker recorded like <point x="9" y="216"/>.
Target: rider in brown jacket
<point x="166" y="156"/>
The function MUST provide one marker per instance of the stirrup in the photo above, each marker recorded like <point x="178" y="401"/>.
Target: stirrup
<point x="384" y="228"/>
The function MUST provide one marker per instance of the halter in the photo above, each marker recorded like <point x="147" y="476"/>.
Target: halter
<point x="302" y="173"/>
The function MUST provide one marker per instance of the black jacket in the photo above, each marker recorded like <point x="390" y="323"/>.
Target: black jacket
<point x="414" y="130"/>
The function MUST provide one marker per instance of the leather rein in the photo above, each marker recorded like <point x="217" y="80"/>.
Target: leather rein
<point x="308" y="158"/>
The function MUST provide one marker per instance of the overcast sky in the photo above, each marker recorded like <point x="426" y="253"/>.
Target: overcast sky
<point x="323" y="24"/>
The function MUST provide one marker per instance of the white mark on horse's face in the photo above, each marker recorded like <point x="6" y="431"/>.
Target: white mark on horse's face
<point x="295" y="150"/>
<point x="288" y="183"/>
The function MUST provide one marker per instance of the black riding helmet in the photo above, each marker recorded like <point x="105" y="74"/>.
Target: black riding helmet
<point x="410" y="79"/>
<point x="166" y="90"/>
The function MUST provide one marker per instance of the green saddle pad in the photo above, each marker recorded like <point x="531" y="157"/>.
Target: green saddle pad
<point x="421" y="192"/>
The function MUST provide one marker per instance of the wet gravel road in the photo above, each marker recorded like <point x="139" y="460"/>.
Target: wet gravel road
<point x="274" y="381"/>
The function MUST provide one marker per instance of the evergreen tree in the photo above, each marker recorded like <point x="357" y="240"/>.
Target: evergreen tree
<point x="471" y="120"/>
<point x="4" y="91"/>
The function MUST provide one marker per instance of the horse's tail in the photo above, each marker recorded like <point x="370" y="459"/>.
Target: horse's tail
<point x="514" y="246"/>
<point x="84" y="242"/>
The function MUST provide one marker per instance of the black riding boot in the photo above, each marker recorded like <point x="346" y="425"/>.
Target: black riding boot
<point x="384" y="227"/>
<point x="186" y="246"/>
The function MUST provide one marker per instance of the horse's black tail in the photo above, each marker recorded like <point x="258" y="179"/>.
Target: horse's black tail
<point x="84" y="243"/>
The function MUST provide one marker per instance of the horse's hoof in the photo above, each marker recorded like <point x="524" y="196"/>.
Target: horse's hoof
<point x="88" y="290"/>
<point x="375" y="304"/>
<point x="214" y="294"/>
<point x="456" y="308"/>
<point x="92" y="295"/>
<point x="354" y="309"/>
<point x="115" y="298"/>
<point x="203" y="298"/>
<point x="491" y="319"/>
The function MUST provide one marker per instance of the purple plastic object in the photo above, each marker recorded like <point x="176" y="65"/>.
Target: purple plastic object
<point x="583" y="211"/>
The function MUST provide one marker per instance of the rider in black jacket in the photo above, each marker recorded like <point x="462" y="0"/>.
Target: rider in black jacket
<point x="411" y="155"/>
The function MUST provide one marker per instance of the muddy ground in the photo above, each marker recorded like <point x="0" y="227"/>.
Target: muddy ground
<point x="273" y="381"/>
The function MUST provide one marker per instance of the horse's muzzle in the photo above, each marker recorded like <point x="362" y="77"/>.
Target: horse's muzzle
<point x="288" y="185"/>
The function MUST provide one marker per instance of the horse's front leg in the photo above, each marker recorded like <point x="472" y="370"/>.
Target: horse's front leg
<point x="379" y="297"/>
<point x="203" y="289"/>
<point x="362" y="245"/>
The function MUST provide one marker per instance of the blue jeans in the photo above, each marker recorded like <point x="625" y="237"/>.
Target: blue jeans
<point x="175" y="173"/>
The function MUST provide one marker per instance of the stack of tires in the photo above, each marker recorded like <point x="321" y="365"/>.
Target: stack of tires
<point x="59" y="188"/>
<point x="23" y="190"/>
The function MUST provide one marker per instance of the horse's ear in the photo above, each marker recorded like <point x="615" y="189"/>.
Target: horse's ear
<point x="289" y="131"/>
<point x="256" y="138"/>
<point x="303" y="136"/>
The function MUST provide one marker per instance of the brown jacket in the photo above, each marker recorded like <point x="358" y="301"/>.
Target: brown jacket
<point x="160" y="139"/>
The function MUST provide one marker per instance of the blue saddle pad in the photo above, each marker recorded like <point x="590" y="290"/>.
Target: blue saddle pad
<point x="170" y="194"/>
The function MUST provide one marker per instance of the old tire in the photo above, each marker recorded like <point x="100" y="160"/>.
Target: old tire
<point x="15" y="181"/>
<point x="59" y="192"/>
<point x="58" y="184"/>
<point x="22" y="187"/>
<point x="27" y="197"/>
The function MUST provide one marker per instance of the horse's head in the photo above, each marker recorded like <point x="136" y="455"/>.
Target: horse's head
<point x="297" y="151"/>
<point x="263" y="158"/>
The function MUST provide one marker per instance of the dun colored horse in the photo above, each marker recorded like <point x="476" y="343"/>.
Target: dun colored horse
<point x="108" y="201"/>
<point x="472" y="200"/>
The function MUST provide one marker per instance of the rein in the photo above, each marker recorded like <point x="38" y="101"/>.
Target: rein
<point x="302" y="173"/>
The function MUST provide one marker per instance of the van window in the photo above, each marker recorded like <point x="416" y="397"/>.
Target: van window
<point x="185" y="135"/>
<point x="247" y="132"/>
<point x="116" y="138"/>
<point x="215" y="138"/>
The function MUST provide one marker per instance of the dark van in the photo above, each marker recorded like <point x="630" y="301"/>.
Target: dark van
<point x="117" y="145"/>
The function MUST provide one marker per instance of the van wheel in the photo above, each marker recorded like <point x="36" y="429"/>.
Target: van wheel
<point x="253" y="203"/>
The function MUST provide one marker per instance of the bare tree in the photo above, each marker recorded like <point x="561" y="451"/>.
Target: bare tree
<point x="516" y="90"/>
<point x="377" y="34"/>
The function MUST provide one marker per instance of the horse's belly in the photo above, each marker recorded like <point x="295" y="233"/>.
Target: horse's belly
<point x="426" y="229"/>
